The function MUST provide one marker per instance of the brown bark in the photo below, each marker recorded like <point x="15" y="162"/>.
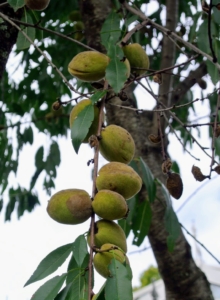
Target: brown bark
<point x="183" y="279"/>
<point x="8" y="35"/>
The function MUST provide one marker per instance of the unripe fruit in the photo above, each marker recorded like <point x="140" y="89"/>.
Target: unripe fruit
<point x="137" y="58"/>
<point x="120" y="178"/>
<point x="109" y="205"/>
<point x="108" y="232"/>
<point x="37" y="4"/>
<point x="78" y="28"/>
<point x="103" y="259"/>
<point x="75" y="15"/>
<point x="117" y="144"/>
<point x="71" y="206"/>
<point x="89" y="66"/>
<point x="77" y="109"/>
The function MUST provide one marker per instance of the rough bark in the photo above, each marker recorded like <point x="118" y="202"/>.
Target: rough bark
<point x="183" y="279"/>
<point x="8" y="35"/>
<point x="94" y="13"/>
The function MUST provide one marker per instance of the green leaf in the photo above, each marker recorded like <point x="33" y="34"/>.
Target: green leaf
<point x="35" y="177"/>
<point x="54" y="155"/>
<point x="78" y="277"/>
<point x="101" y="294"/>
<point x="98" y="95"/>
<point x="175" y="167"/>
<point x="148" y="180"/>
<point x="173" y="228"/>
<point x="118" y="287"/>
<point x="16" y="4"/>
<point x="39" y="163"/>
<point x="165" y="193"/>
<point x="212" y="70"/>
<point x="80" y="249"/>
<point x="1" y="204"/>
<point x="63" y="293"/>
<point x="49" y="290"/>
<point x="171" y="222"/>
<point x="116" y="69"/>
<point x="50" y="263"/>
<point x="22" y="41"/>
<point x="111" y="28"/>
<point x="28" y="135"/>
<point x="81" y="126"/>
<point x="202" y="36"/>
<point x="141" y="222"/>
<point x="126" y="224"/>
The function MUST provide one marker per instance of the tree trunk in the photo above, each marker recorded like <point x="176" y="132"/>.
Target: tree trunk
<point x="183" y="279"/>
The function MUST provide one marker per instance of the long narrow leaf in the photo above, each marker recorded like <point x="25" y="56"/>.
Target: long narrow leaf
<point x="22" y="41"/>
<point x="118" y="287"/>
<point x="80" y="249"/>
<point x="171" y="222"/>
<point x="141" y="222"/>
<point x="173" y="228"/>
<point x="148" y="180"/>
<point x="98" y="95"/>
<point x="81" y="126"/>
<point x="50" y="263"/>
<point x="116" y="70"/>
<point x="16" y="4"/>
<point x="49" y="290"/>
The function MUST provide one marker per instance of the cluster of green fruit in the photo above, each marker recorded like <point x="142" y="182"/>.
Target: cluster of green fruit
<point x="116" y="181"/>
<point x="90" y="66"/>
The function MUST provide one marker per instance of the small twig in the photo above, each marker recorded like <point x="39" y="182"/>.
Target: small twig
<point x="94" y="191"/>
<point x="190" y="134"/>
<point x="201" y="124"/>
<point x="41" y="52"/>
<point x="141" y="250"/>
<point x="53" y="32"/>
<point x="172" y="67"/>
<point x="210" y="253"/>
<point x="210" y="33"/>
<point x="132" y="31"/>
<point x="174" y="132"/>
<point x="4" y="4"/>
<point x="159" y="115"/>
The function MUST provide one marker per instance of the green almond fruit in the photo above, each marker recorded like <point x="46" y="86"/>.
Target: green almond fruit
<point x="109" y="205"/>
<point x="137" y="58"/>
<point x="103" y="259"/>
<point x="117" y="144"/>
<point x="77" y="109"/>
<point x="71" y="206"/>
<point x="89" y="66"/>
<point x="108" y="232"/>
<point x="120" y="178"/>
